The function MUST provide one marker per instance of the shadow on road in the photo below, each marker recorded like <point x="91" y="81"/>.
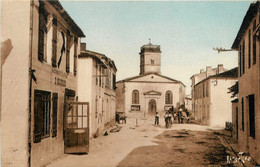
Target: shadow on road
<point x="180" y="148"/>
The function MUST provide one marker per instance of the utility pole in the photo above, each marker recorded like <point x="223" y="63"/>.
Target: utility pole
<point x="223" y="49"/>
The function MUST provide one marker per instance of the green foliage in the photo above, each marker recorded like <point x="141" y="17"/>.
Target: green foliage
<point x="234" y="90"/>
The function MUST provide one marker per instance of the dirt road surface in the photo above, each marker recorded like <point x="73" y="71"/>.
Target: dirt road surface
<point x="140" y="143"/>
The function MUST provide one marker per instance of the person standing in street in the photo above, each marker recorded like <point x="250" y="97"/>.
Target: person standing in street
<point x="179" y="114"/>
<point x="166" y="117"/>
<point x="156" y="123"/>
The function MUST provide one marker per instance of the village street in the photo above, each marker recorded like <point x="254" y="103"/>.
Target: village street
<point x="147" y="145"/>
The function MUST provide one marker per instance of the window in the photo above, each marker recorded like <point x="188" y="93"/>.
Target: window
<point x="96" y="105"/>
<point x="75" y="55"/>
<point x="243" y="123"/>
<point x="243" y="56"/>
<point x="96" y="74"/>
<point x="152" y="60"/>
<point x="54" y="113"/>
<point x="42" y="40"/>
<point x="100" y="75"/>
<point x="203" y="90"/>
<point x="254" y="49"/>
<point x="240" y="61"/>
<point x="135" y="97"/>
<point x="103" y="74"/>
<point x="107" y="78"/>
<point x="252" y="115"/>
<point x="249" y="48"/>
<point x="207" y="89"/>
<point x="54" y="42"/>
<point x="168" y="97"/>
<point x="68" y="52"/>
<point x="114" y="81"/>
<point x="41" y="115"/>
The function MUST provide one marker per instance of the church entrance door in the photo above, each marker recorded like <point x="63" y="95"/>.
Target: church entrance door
<point x="152" y="107"/>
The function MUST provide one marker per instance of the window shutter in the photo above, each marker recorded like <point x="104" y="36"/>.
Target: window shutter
<point x="75" y="55"/>
<point x="42" y="28"/>
<point x="38" y="115"/>
<point x="54" y="113"/>
<point x="114" y="81"/>
<point x="68" y="52"/>
<point x="54" y="42"/>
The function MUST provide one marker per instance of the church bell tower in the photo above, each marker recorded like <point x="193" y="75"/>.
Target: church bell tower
<point x="150" y="59"/>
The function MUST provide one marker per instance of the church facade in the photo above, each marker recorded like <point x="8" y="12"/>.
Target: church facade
<point x="149" y="92"/>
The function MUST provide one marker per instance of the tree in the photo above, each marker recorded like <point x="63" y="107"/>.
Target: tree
<point x="234" y="90"/>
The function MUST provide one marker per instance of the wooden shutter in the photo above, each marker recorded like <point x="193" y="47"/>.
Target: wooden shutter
<point x="54" y="42"/>
<point x="114" y="81"/>
<point x="38" y="116"/>
<point x="75" y="55"/>
<point x="54" y="113"/>
<point x="252" y="115"/>
<point x="42" y="28"/>
<point x="68" y="52"/>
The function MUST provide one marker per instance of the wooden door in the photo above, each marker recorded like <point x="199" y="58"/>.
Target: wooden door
<point x="76" y="127"/>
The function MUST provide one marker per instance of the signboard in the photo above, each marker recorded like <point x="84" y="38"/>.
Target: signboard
<point x="135" y="107"/>
<point x="60" y="82"/>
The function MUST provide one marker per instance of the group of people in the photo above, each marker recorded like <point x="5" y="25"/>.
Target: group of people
<point x="172" y="117"/>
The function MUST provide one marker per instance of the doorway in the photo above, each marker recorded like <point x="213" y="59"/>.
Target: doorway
<point x="76" y="127"/>
<point x="152" y="107"/>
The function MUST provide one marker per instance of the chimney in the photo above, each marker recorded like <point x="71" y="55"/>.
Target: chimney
<point x="208" y="71"/>
<point x="202" y="71"/>
<point x="82" y="46"/>
<point x="208" y="68"/>
<point x="220" y="68"/>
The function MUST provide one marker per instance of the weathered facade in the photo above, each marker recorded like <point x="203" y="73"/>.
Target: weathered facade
<point x="149" y="92"/>
<point x="188" y="103"/>
<point x="96" y="84"/>
<point x="196" y="78"/>
<point x="212" y="100"/>
<point x="247" y="42"/>
<point x="39" y="73"/>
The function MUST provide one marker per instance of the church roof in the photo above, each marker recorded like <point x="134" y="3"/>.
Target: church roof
<point x="152" y="92"/>
<point x="139" y="76"/>
<point x="150" y="48"/>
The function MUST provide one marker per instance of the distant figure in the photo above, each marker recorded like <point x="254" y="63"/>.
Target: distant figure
<point x="156" y="122"/>
<point x="175" y="117"/>
<point x="188" y="116"/>
<point x="169" y="119"/>
<point x="179" y="114"/>
<point x="171" y="113"/>
<point x="166" y="117"/>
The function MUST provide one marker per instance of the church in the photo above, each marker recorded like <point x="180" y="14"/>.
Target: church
<point x="149" y="92"/>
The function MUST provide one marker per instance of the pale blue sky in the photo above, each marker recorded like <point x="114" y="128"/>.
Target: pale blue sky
<point x="187" y="32"/>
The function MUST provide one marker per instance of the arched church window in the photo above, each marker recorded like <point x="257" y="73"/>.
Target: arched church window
<point x="135" y="97"/>
<point x="152" y="60"/>
<point x="168" y="97"/>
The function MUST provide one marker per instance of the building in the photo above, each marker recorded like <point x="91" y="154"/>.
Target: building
<point x="149" y="91"/>
<point x="247" y="44"/>
<point x="97" y="85"/>
<point x="196" y="78"/>
<point x="212" y="101"/>
<point x="188" y="103"/>
<point x="39" y="74"/>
